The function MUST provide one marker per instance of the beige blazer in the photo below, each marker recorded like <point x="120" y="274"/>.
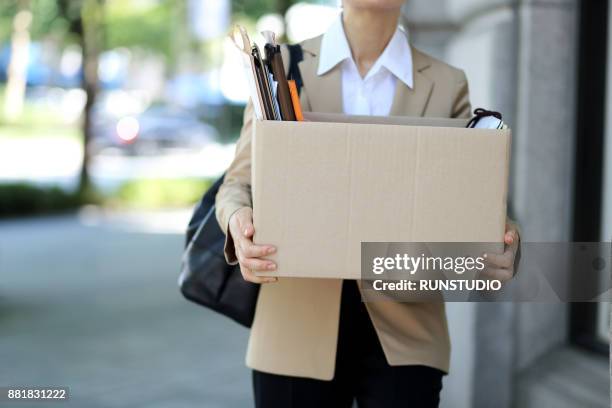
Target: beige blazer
<point x="295" y="329"/>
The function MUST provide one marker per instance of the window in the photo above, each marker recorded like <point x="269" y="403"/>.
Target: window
<point x="606" y="215"/>
<point x="592" y="197"/>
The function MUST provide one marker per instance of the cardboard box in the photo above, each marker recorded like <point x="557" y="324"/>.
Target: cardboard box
<point x="323" y="186"/>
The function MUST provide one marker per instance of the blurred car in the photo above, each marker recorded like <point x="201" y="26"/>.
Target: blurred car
<point x="160" y="129"/>
<point x="39" y="70"/>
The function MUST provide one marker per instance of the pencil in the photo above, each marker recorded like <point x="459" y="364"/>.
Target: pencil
<point x="295" y="99"/>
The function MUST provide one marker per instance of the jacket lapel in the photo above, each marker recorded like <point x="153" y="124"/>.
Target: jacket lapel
<point x="324" y="93"/>
<point x="413" y="102"/>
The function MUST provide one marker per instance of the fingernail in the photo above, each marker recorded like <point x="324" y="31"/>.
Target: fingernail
<point x="271" y="266"/>
<point x="270" y="280"/>
<point x="271" y="250"/>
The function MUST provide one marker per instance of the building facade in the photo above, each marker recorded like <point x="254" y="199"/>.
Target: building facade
<point x="543" y="64"/>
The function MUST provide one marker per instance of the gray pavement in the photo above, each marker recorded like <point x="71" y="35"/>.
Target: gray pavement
<point x="90" y="301"/>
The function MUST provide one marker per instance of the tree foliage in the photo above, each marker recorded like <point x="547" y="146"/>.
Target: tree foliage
<point x="153" y="27"/>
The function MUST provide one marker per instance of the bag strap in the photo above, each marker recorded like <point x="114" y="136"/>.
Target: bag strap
<point x="202" y="209"/>
<point x="296" y="55"/>
<point x="480" y="113"/>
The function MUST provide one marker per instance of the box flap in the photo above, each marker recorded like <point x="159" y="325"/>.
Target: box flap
<point x="385" y="120"/>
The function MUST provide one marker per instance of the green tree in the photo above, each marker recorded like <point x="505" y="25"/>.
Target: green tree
<point x="17" y="69"/>
<point x="153" y="27"/>
<point x="83" y="20"/>
<point x="91" y="36"/>
<point x="79" y="21"/>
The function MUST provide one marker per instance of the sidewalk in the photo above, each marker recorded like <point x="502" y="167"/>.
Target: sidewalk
<point x="92" y="303"/>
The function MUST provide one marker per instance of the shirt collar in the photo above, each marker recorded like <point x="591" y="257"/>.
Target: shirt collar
<point x="397" y="56"/>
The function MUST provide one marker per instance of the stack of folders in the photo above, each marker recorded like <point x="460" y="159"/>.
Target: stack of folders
<point x="274" y="97"/>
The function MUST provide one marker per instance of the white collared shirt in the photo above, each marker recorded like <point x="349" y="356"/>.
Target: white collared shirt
<point x="372" y="95"/>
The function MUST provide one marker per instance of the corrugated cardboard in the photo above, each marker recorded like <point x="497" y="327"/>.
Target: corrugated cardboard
<point x="323" y="186"/>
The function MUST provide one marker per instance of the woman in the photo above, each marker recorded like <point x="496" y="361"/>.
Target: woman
<point x="313" y="342"/>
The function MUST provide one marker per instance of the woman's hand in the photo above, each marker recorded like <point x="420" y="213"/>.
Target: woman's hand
<point x="249" y="255"/>
<point x="501" y="266"/>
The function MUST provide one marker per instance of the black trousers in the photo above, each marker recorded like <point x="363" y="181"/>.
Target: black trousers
<point x="362" y="372"/>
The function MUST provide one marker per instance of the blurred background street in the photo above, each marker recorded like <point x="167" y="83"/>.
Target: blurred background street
<point x="108" y="320"/>
<point x="116" y="115"/>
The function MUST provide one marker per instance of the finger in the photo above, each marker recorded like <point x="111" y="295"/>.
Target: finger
<point x="248" y="229"/>
<point x="251" y="250"/>
<point x="255" y="264"/>
<point x="237" y="231"/>
<point x="500" y="274"/>
<point x="248" y="275"/>
<point x="505" y="260"/>
<point x="511" y="235"/>
<point x="243" y="223"/>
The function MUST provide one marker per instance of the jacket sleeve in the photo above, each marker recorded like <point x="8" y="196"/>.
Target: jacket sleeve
<point x="517" y="256"/>
<point x="461" y="107"/>
<point x="235" y="192"/>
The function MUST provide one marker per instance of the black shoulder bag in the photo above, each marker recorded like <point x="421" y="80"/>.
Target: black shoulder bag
<point x="205" y="277"/>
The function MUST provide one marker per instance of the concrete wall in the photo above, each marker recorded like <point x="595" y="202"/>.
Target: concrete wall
<point x="545" y="151"/>
<point x="520" y="59"/>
